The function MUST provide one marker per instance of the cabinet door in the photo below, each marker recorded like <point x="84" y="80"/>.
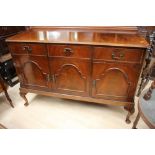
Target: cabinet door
<point x="33" y="71"/>
<point x="71" y="76"/>
<point x="115" y="81"/>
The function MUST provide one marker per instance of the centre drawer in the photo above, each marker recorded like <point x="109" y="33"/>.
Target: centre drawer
<point x="76" y="51"/>
<point x="118" y="54"/>
<point x="28" y="48"/>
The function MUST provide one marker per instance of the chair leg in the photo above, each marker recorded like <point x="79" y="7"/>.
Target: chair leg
<point x="5" y="91"/>
<point x="136" y="121"/>
<point x="8" y="98"/>
<point x="23" y="95"/>
<point x="131" y="109"/>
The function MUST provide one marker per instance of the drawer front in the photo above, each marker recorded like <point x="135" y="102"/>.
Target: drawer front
<point x="69" y="51"/>
<point x="28" y="48"/>
<point x="118" y="54"/>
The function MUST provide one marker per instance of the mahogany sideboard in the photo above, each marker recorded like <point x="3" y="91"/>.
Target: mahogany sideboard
<point x="99" y="64"/>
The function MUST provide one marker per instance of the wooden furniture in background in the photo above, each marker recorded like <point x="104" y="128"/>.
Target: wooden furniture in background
<point x="147" y="96"/>
<point x="7" y="70"/>
<point x="94" y="64"/>
<point x="149" y="69"/>
<point x="146" y="108"/>
<point x="8" y="76"/>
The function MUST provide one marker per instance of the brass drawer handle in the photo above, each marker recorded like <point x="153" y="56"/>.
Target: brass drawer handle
<point x="68" y="51"/>
<point x="27" y="48"/>
<point x="119" y="57"/>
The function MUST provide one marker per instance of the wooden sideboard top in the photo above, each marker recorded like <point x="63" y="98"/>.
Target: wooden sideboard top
<point x="80" y="37"/>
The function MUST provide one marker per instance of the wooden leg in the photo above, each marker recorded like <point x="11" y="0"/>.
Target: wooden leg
<point x="8" y="98"/>
<point x="136" y="121"/>
<point x="5" y="91"/>
<point x="23" y="95"/>
<point x="131" y="109"/>
<point x="144" y="82"/>
<point x="145" y="73"/>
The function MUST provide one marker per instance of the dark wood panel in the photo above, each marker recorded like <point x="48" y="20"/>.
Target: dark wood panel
<point x="9" y="30"/>
<point x="115" y="81"/>
<point x="71" y="76"/>
<point x="3" y="47"/>
<point x="32" y="70"/>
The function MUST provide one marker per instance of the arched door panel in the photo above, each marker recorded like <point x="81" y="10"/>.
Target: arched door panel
<point x="114" y="81"/>
<point x="71" y="76"/>
<point x="32" y="70"/>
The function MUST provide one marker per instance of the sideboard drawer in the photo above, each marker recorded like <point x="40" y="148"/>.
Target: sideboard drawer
<point x="118" y="54"/>
<point x="69" y="51"/>
<point x="28" y="48"/>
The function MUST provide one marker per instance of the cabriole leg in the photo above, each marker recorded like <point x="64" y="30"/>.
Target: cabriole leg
<point x="131" y="109"/>
<point x="23" y="95"/>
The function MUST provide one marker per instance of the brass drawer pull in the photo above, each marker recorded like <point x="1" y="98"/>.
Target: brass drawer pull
<point x="68" y="51"/>
<point x="118" y="56"/>
<point x="27" y="48"/>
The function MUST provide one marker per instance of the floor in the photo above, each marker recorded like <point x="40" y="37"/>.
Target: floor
<point x="48" y="112"/>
